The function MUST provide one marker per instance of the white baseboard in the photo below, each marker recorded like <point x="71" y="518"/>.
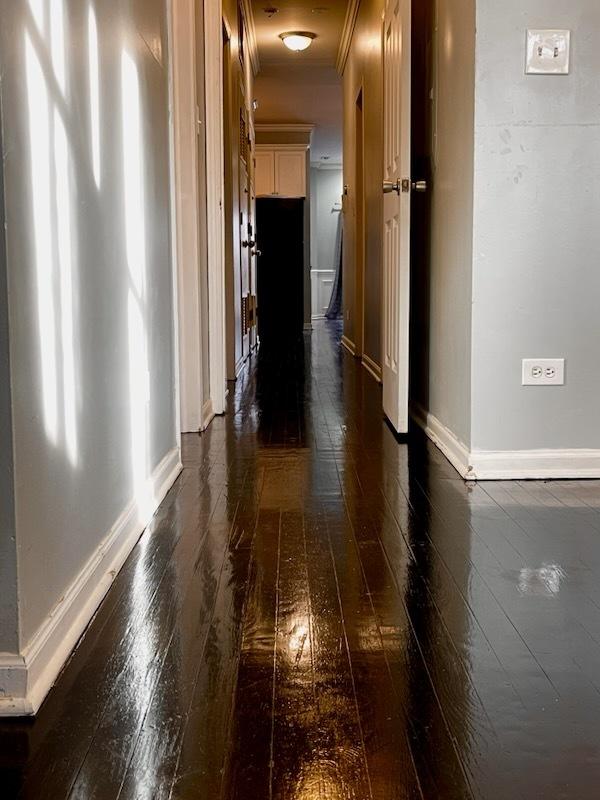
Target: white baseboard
<point x="25" y="679"/>
<point x="508" y="465"/>
<point x="349" y="345"/>
<point x="372" y="367"/>
<point x="455" y="451"/>
<point x="489" y="465"/>
<point x="208" y="413"/>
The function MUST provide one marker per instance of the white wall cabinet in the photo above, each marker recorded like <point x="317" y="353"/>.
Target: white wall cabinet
<point x="280" y="171"/>
<point x="264" y="176"/>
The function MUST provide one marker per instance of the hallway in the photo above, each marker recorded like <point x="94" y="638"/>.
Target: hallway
<point x="318" y="611"/>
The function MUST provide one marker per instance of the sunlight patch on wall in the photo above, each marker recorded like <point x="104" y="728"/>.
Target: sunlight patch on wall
<point x="53" y="190"/>
<point x="94" y="89"/>
<point x="39" y="142"/>
<point x="57" y="42"/>
<point x="67" y="298"/>
<point x="37" y="8"/>
<point x="135" y="243"/>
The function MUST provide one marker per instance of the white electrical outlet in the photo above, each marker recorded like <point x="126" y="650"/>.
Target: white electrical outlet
<point x="548" y="52"/>
<point x="543" y="372"/>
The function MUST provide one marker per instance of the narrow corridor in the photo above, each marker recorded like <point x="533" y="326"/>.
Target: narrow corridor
<point x="319" y="612"/>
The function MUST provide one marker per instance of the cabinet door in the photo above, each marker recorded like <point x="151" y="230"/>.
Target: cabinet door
<point x="265" y="173"/>
<point x="290" y="173"/>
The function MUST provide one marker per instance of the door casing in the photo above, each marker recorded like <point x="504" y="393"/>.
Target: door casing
<point x="396" y="211"/>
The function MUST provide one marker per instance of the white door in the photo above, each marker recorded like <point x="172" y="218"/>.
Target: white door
<point x="396" y="211"/>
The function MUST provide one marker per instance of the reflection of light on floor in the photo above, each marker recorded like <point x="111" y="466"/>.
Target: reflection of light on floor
<point x="39" y="138"/>
<point x="322" y="778"/>
<point x="298" y="644"/>
<point x="135" y="241"/>
<point x="544" y="581"/>
<point x="94" y="88"/>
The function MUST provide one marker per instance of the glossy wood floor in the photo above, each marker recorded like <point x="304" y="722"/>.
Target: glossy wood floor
<point x="321" y="613"/>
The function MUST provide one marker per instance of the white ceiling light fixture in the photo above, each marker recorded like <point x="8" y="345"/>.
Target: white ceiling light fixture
<point x="297" y="40"/>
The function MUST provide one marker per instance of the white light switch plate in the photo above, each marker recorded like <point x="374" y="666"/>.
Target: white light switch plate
<point x="543" y="372"/>
<point x="548" y="52"/>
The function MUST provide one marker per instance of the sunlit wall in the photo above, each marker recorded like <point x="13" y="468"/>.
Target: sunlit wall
<point x="85" y="109"/>
<point x="8" y="552"/>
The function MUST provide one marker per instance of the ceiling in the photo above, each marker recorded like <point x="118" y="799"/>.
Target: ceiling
<point x="323" y="17"/>
<point x="302" y="87"/>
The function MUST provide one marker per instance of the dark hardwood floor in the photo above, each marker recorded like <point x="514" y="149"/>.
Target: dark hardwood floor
<point x="318" y="612"/>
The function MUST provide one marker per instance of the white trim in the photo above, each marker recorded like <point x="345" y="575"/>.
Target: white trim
<point x="173" y="213"/>
<point x="284" y="127"/>
<point x="207" y="414"/>
<point x="215" y="192"/>
<point x="509" y="465"/>
<point x="273" y="147"/>
<point x="372" y="367"/>
<point x="25" y="679"/>
<point x="489" y="465"/>
<point x="455" y="451"/>
<point x="347" y="33"/>
<point x="251" y="36"/>
<point x="349" y="345"/>
<point x="185" y="227"/>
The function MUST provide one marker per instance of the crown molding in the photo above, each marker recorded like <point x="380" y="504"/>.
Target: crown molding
<point x="347" y="33"/>
<point x="284" y="127"/>
<point x="251" y="35"/>
<point x="289" y="147"/>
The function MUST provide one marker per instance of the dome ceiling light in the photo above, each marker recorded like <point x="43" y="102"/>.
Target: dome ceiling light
<point x="297" y="40"/>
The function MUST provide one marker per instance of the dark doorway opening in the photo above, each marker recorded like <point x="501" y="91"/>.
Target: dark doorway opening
<point x="280" y="269"/>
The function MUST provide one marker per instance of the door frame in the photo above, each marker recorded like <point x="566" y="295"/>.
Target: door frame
<point x="183" y="168"/>
<point x="360" y="221"/>
<point x="396" y="292"/>
<point x="215" y="194"/>
<point x="191" y="413"/>
<point x="228" y="238"/>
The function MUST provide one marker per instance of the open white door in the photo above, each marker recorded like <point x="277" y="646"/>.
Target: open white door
<point x="396" y="211"/>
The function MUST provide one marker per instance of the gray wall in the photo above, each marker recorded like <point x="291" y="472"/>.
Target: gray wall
<point x="9" y="623"/>
<point x="89" y="276"/>
<point x="536" y="283"/>
<point x="443" y="145"/>
<point x="326" y="190"/>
